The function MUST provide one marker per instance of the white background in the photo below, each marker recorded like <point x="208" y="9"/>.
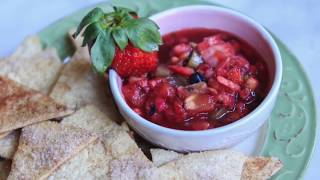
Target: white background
<point x="296" y="22"/>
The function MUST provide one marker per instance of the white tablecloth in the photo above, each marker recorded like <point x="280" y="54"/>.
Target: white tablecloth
<point x="297" y="23"/>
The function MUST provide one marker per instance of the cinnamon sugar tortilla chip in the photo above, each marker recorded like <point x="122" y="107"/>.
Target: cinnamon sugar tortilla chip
<point x="115" y="138"/>
<point x="21" y="106"/>
<point x="125" y="126"/>
<point x="95" y="158"/>
<point x="161" y="156"/>
<point x="79" y="86"/>
<point x="91" y="163"/>
<point x="5" y="166"/>
<point x="128" y="166"/>
<point x="30" y="46"/>
<point x="116" y="152"/>
<point x="38" y="72"/>
<point x="221" y="164"/>
<point x="260" y="168"/>
<point x="91" y="119"/>
<point x="44" y="147"/>
<point x="9" y="144"/>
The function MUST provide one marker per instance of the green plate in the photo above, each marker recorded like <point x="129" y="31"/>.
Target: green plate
<point x="292" y="127"/>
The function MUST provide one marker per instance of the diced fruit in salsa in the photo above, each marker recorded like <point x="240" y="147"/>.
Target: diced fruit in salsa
<point x="205" y="79"/>
<point x="233" y="86"/>
<point x="194" y="60"/>
<point x="136" y="94"/>
<point x="162" y="71"/>
<point x="196" y="77"/>
<point x="180" y="70"/>
<point x="198" y="103"/>
<point x="252" y="83"/>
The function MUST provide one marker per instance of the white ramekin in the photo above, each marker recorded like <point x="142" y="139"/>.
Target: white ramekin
<point x="222" y="137"/>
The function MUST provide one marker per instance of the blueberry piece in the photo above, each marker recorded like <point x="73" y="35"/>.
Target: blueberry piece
<point x="152" y="110"/>
<point x="196" y="77"/>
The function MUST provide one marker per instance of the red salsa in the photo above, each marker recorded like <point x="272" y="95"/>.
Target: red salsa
<point x="205" y="79"/>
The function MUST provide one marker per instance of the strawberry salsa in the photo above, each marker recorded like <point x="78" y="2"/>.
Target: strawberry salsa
<point x="205" y="79"/>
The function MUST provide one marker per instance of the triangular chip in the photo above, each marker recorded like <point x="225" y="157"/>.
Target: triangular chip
<point x="260" y="168"/>
<point x="125" y="159"/>
<point x="189" y="166"/>
<point x="125" y="126"/>
<point x="90" y="163"/>
<point x="38" y="72"/>
<point x="161" y="156"/>
<point x="221" y="164"/>
<point x="5" y="166"/>
<point x="44" y="147"/>
<point x="9" y="144"/>
<point x="30" y="46"/>
<point x="21" y="106"/>
<point x="79" y="86"/>
<point x="115" y="153"/>
<point x="128" y="166"/>
<point x="91" y="119"/>
<point x="95" y="158"/>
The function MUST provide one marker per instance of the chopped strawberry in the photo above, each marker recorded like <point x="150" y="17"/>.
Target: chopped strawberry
<point x="209" y="41"/>
<point x="226" y="99"/>
<point x="213" y="49"/>
<point x="164" y="90"/>
<point x="205" y="69"/>
<point x="180" y="49"/>
<point x="180" y="113"/>
<point x="170" y="114"/>
<point x="241" y="62"/>
<point x="232" y="62"/>
<point x="241" y="107"/>
<point x="184" y="71"/>
<point x="136" y="94"/>
<point x="182" y="92"/>
<point x="247" y="95"/>
<point x="231" y="85"/>
<point x="160" y="104"/>
<point x="222" y="67"/>
<point x="235" y="75"/>
<point x="156" y="81"/>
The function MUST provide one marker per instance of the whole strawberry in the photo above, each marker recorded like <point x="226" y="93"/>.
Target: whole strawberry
<point x="133" y="61"/>
<point x="121" y="40"/>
